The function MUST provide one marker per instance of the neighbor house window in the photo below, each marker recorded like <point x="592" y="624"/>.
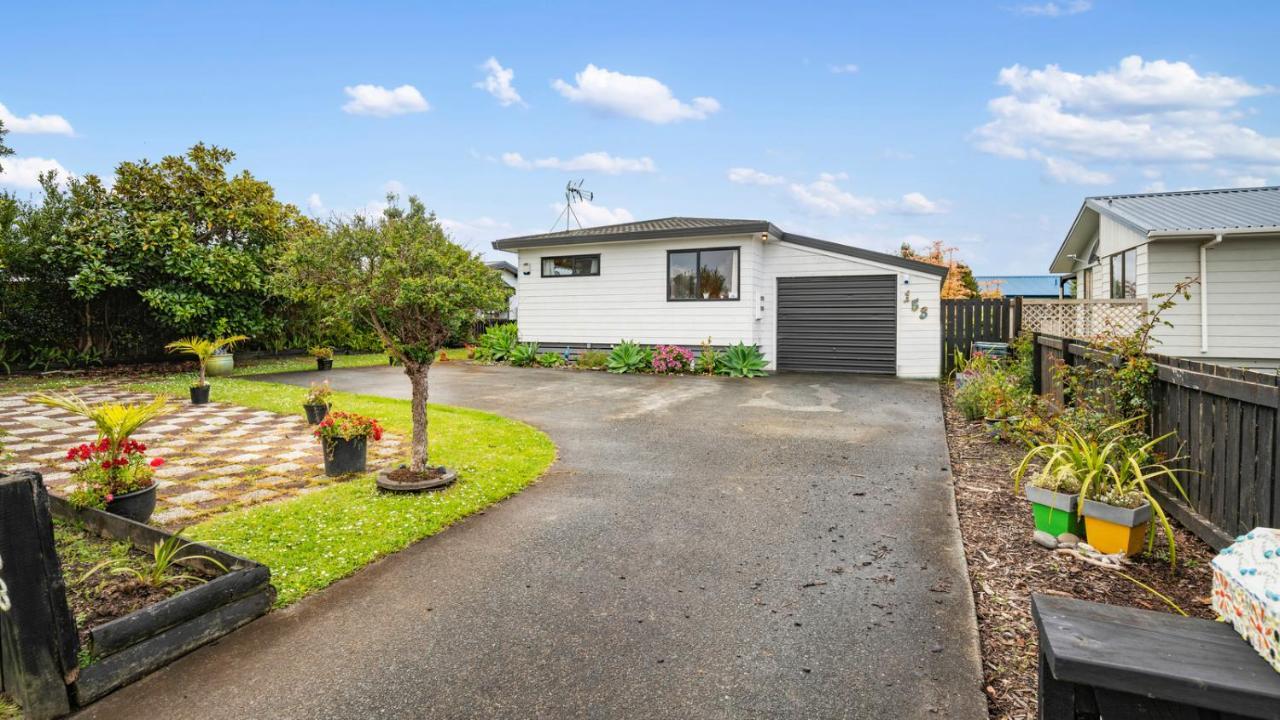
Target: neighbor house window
<point x="1124" y="275"/>
<point x="710" y="274"/>
<point x="571" y="266"/>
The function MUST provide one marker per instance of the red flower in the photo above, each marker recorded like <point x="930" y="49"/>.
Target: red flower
<point x="157" y="462"/>
<point x="106" y="464"/>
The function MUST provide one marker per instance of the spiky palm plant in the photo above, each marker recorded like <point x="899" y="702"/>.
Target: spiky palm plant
<point x="203" y="349"/>
<point x="114" y="421"/>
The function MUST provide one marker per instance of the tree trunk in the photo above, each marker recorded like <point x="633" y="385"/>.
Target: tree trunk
<point x="417" y="373"/>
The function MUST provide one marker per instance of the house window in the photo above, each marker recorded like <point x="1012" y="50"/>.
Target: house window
<point x="571" y="266"/>
<point x="1124" y="275"/>
<point x="710" y="274"/>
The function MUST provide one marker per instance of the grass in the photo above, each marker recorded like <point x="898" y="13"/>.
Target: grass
<point x="311" y="541"/>
<point x="304" y="362"/>
<point x="9" y="709"/>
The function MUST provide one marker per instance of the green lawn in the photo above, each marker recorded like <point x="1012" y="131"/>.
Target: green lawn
<point x="305" y="362"/>
<point x="313" y="540"/>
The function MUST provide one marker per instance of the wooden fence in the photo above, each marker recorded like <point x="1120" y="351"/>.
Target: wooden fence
<point x="965" y="322"/>
<point x="1225" y="423"/>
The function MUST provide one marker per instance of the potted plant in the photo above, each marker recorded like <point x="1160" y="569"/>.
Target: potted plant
<point x="323" y="356"/>
<point x="203" y="350"/>
<point x="317" y="402"/>
<point x="345" y="439"/>
<point x="220" y="363"/>
<point x="1055" y="501"/>
<point x="113" y="472"/>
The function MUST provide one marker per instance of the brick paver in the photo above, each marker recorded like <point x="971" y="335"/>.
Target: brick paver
<point x="216" y="455"/>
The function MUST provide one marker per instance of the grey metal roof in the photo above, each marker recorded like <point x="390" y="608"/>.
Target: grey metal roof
<point x="696" y="227"/>
<point x="502" y="265"/>
<point x="1226" y="209"/>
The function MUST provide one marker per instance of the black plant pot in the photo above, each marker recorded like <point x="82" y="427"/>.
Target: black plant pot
<point x="324" y="363"/>
<point x="199" y="394"/>
<point x="344" y="456"/>
<point x="137" y="505"/>
<point x="315" y="413"/>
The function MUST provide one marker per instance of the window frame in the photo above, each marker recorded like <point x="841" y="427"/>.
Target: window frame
<point x="737" y="271"/>
<point x="542" y="265"/>
<point x="1120" y="278"/>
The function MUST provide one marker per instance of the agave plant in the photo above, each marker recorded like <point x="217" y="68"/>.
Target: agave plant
<point x="524" y="354"/>
<point x="203" y="349"/>
<point x="164" y="556"/>
<point x="1109" y="469"/>
<point x="115" y="421"/>
<point x="627" y="357"/>
<point x="741" y="360"/>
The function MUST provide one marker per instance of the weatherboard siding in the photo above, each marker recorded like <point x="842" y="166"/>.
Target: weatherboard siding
<point x="1115" y="236"/>
<point x="628" y="300"/>
<point x="1244" y="307"/>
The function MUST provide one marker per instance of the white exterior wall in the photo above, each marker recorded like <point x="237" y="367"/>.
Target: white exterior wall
<point x="513" y="302"/>
<point x="628" y="300"/>
<point x="1244" y="308"/>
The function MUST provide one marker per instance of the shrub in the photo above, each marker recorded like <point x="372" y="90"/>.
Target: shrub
<point x="321" y="352"/>
<point x="708" y="358"/>
<point x="672" y="359"/>
<point x="550" y="359"/>
<point x="741" y="360"/>
<point x="498" y="343"/>
<point x="524" y="354"/>
<point x="592" y="359"/>
<point x="628" y="357"/>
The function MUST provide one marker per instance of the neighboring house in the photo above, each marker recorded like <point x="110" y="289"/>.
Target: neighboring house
<point x="512" y="278"/>
<point x="1023" y="286"/>
<point x="808" y="304"/>
<point x="1131" y="246"/>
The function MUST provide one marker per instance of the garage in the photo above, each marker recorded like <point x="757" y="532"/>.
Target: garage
<point x="838" y="324"/>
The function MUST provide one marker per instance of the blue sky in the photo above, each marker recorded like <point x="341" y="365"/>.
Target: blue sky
<point x="982" y="125"/>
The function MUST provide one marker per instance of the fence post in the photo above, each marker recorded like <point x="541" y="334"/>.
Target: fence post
<point x="38" y="641"/>
<point x="1037" y="364"/>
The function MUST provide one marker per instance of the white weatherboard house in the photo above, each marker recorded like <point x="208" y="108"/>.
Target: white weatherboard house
<point x="1131" y="246"/>
<point x="808" y="304"/>
<point x="509" y="276"/>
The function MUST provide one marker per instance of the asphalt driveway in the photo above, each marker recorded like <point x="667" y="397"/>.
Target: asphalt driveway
<point x="703" y="547"/>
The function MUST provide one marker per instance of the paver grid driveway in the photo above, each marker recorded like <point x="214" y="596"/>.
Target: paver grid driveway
<point x="702" y="548"/>
<point x="216" y="455"/>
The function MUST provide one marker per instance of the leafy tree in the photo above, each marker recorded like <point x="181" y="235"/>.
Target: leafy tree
<point x="5" y="150"/>
<point x="405" y="278"/>
<point x="959" y="282"/>
<point x="175" y="247"/>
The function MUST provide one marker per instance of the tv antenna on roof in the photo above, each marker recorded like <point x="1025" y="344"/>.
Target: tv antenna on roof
<point x="573" y="193"/>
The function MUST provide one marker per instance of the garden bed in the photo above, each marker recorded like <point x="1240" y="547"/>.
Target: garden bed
<point x="105" y="595"/>
<point x="1005" y="567"/>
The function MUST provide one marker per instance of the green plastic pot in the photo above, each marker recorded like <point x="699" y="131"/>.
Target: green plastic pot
<point x="1055" y="512"/>
<point x="220" y="365"/>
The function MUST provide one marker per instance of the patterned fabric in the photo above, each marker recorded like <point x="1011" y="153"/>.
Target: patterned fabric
<point x="217" y="456"/>
<point x="1246" y="590"/>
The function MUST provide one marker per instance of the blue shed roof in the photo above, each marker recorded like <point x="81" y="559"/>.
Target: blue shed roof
<point x="1023" y="285"/>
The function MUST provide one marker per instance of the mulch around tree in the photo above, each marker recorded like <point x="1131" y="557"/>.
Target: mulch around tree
<point x="1006" y="567"/>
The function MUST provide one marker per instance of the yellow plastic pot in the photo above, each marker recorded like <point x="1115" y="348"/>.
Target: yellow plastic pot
<point x="1112" y="529"/>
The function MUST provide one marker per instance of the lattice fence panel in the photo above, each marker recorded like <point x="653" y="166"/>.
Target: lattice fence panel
<point x="1082" y="318"/>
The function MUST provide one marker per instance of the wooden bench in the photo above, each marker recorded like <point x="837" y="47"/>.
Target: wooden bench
<point x="1102" y="661"/>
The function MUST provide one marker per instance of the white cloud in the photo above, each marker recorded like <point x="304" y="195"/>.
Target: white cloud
<point x="634" y="96"/>
<point x="395" y="187"/>
<point x="751" y="176"/>
<point x="1053" y="9"/>
<point x="593" y="215"/>
<point x="824" y="196"/>
<point x="35" y="124"/>
<point x="1248" y="181"/>
<point x="1134" y="114"/>
<point x="845" y="69"/>
<point x="497" y="82"/>
<point x="587" y="162"/>
<point x="315" y="204"/>
<point x="478" y="232"/>
<point x="25" y="172"/>
<point x="914" y="203"/>
<point x="378" y="101"/>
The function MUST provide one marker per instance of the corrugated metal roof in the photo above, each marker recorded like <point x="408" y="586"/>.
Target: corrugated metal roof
<point x="1023" y="285"/>
<point x="1226" y="209"/>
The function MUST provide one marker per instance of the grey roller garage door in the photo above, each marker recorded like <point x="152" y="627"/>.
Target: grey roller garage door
<point x="838" y="324"/>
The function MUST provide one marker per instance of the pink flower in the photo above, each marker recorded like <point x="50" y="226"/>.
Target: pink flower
<point x="110" y="497"/>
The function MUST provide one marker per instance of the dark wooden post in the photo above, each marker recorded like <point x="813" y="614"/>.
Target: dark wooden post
<point x="1037" y="364"/>
<point x="38" y="642"/>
